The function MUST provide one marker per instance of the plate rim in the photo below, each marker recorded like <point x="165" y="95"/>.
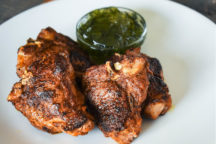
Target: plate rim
<point x="62" y="1"/>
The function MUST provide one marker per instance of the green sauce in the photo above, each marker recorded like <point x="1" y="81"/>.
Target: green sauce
<point x="105" y="31"/>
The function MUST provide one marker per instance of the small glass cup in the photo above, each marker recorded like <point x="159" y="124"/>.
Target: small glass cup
<point x="98" y="55"/>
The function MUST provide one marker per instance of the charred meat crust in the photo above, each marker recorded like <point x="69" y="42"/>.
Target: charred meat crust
<point x="79" y="58"/>
<point x="111" y="105"/>
<point x="116" y="91"/>
<point x="122" y="89"/>
<point x="158" y="100"/>
<point x="47" y="93"/>
<point x="155" y="67"/>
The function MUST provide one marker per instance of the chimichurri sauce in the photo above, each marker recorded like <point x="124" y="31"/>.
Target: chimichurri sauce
<point x="109" y="30"/>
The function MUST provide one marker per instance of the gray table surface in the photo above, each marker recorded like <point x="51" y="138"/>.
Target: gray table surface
<point x="9" y="8"/>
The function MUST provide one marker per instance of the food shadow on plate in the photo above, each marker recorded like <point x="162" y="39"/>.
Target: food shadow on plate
<point x="175" y="68"/>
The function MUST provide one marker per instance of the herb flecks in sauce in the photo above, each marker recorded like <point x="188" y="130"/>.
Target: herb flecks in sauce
<point x="110" y="30"/>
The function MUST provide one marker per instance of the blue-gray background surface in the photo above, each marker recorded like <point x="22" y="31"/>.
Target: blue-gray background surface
<point x="9" y="8"/>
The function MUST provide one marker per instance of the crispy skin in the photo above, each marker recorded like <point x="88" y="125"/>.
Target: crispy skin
<point x="158" y="100"/>
<point x="121" y="89"/>
<point x="47" y="93"/>
<point x="116" y="91"/>
<point x="78" y="58"/>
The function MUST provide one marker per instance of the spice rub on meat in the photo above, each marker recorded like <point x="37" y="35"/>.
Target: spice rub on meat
<point x="122" y="90"/>
<point x="47" y="92"/>
<point x="52" y="70"/>
<point x="116" y="91"/>
<point x="158" y="100"/>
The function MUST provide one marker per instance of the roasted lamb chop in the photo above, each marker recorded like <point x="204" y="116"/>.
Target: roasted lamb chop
<point x="47" y="92"/>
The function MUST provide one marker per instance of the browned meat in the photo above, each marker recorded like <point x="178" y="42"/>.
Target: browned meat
<point x="79" y="59"/>
<point x="47" y="93"/>
<point x="158" y="100"/>
<point x="116" y="91"/>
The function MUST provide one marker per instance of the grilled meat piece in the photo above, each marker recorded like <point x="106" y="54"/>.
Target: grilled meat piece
<point x="47" y="93"/>
<point x="158" y="100"/>
<point x="122" y="89"/>
<point x="116" y="91"/>
<point x="79" y="59"/>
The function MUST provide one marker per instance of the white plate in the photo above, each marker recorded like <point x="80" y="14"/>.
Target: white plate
<point x="183" y="40"/>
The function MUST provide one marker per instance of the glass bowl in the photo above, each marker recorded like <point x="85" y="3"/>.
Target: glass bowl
<point x="100" y="52"/>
